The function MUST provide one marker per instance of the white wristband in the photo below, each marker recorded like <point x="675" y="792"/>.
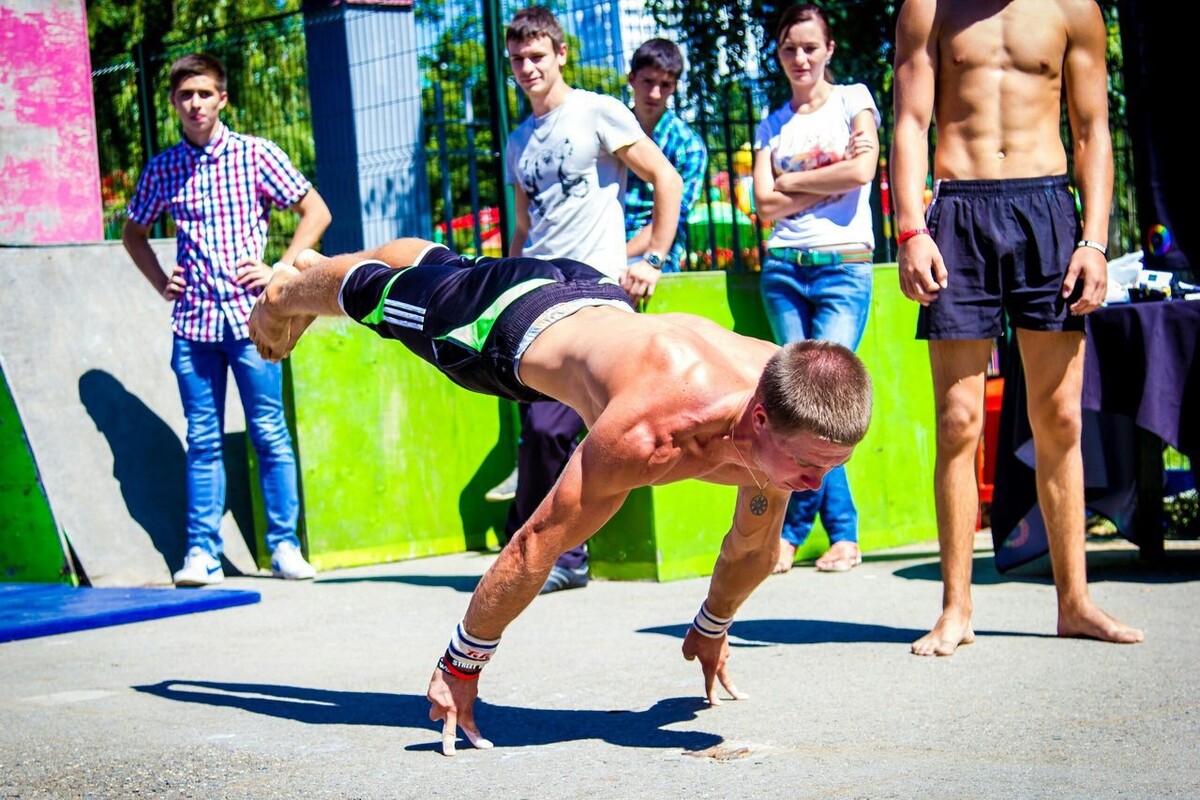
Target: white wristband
<point x="1094" y="245"/>
<point x="470" y="652"/>
<point x="706" y="624"/>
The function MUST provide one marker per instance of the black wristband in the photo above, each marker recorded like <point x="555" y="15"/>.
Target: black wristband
<point x="464" y="672"/>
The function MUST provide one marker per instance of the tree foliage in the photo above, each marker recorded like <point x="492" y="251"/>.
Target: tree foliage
<point x="736" y="40"/>
<point x="457" y="107"/>
<point x="133" y="44"/>
<point x="733" y="76"/>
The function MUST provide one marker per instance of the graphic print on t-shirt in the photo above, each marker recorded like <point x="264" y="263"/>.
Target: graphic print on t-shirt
<point x="533" y="171"/>
<point x="802" y="147"/>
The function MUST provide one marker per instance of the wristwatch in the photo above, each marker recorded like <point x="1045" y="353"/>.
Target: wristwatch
<point x="653" y="259"/>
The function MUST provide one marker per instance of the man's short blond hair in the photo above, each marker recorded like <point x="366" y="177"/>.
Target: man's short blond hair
<point x="817" y="387"/>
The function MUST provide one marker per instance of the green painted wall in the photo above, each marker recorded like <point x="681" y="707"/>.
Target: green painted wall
<point x="891" y="473"/>
<point x="31" y="550"/>
<point x="395" y="459"/>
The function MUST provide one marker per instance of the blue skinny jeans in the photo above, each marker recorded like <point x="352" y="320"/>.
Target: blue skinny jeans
<point x="818" y="302"/>
<point x="202" y="370"/>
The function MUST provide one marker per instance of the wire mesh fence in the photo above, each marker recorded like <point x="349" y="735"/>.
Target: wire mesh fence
<point x="268" y="96"/>
<point x="457" y="161"/>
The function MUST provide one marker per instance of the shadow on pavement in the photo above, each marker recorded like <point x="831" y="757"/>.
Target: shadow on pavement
<point x="1103" y="565"/>
<point x="459" y="583"/>
<point x="506" y="726"/>
<point x="767" y="632"/>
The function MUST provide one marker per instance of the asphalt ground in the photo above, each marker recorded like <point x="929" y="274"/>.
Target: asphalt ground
<point x="318" y="691"/>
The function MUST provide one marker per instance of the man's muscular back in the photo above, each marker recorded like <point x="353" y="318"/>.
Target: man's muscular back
<point x="663" y="387"/>
<point x="1000" y="86"/>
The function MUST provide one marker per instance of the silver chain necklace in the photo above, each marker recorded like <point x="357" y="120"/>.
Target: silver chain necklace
<point x="758" y="503"/>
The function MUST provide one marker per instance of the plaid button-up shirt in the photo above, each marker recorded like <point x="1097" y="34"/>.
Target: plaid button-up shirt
<point x="686" y="151"/>
<point x="220" y="197"/>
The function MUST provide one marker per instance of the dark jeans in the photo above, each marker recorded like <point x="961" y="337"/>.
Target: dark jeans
<point x="549" y="434"/>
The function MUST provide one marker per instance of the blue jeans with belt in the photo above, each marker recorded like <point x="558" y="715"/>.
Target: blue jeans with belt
<point x="818" y="301"/>
<point x="202" y="370"/>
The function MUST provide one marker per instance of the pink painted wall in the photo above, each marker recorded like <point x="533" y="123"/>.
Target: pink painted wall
<point x="49" y="168"/>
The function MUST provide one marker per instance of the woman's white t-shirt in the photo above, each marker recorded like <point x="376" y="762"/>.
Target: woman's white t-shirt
<point x="805" y="141"/>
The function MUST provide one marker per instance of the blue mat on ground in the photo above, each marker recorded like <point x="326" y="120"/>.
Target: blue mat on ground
<point x="28" y="610"/>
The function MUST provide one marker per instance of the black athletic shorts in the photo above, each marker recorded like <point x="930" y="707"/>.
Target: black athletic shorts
<point x="469" y="316"/>
<point x="1006" y="245"/>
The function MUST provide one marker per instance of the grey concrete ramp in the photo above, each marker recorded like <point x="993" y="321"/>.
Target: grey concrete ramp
<point x="85" y="349"/>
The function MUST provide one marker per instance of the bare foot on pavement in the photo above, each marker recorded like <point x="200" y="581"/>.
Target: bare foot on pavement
<point x="840" y="557"/>
<point x="952" y="629"/>
<point x="1092" y="622"/>
<point x="787" y="557"/>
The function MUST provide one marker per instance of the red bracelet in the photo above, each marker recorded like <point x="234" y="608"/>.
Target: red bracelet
<point x="904" y="236"/>
<point x="445" y="666"/>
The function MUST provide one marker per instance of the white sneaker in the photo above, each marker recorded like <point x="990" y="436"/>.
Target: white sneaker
<point x="504" y="491"/>
<point x="199" y="569"/>
<point x="287" y="563"/>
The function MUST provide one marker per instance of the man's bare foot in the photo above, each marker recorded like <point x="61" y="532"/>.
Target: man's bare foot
<point x="308" y="259"/>
<point x="1092" y="622"/>
<point x="787" y="557"/>
<point x="270" y="329"/>
<point x="952" y="629"/>
<point x="840" y="557"/>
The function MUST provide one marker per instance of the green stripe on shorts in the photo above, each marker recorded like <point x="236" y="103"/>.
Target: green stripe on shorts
<point x="475" y="333"/>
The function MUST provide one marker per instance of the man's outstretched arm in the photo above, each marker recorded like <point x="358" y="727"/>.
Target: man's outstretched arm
<point x="748" y="554"/>
<point x="573" y="510"/>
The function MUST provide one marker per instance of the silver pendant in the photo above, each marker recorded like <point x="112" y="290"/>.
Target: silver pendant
<point x="758" y="505"/>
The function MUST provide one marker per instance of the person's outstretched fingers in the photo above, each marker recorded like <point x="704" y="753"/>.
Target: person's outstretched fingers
<point x="476" y="739"/>
<point x="449" y="734"/>
<point x="727" y="682"/>
<point x="710" y="684"/>
<point x="466" y="721"/>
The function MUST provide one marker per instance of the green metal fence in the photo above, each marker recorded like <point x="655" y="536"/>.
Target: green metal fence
<point x="268" y="96"/>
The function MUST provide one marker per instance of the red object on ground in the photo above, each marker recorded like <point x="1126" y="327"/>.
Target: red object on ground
<point x="985" y="461"/>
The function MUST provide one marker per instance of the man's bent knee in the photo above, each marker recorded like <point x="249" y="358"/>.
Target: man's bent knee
<point x="958" y="427"/>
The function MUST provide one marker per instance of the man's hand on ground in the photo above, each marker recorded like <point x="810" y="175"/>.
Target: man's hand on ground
<point x="714" y="657"/>
<point x="453" y="701"/>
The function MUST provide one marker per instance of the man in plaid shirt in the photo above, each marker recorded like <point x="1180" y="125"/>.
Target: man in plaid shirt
<point x="219" y="187"/>
<point x="654" y="72"/>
